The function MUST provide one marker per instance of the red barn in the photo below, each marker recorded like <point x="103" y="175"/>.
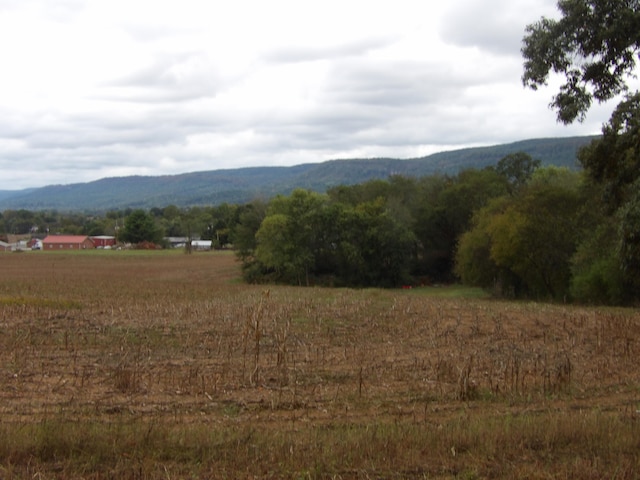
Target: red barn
<point x="102" y="241"/>
<point x="67" y="242"/>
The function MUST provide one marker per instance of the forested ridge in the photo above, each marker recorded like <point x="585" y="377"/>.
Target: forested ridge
<point x="245" y="184"/>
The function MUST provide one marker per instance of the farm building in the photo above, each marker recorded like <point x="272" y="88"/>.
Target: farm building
<point x="177" y="242"/>
<point x="201" y="244"/>
<point x="16" y="239"/>
<point x="67" y="242"/>
<point x="14" y="243"/>
<point x="104" y="241"/>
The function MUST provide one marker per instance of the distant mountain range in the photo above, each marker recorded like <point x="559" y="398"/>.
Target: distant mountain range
<point x="245" y="184"/>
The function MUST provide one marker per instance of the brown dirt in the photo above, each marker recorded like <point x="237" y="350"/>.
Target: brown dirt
<point x="178" y="338"/>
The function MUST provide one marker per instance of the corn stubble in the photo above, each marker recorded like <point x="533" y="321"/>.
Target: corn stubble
<point x="143" y="366"/>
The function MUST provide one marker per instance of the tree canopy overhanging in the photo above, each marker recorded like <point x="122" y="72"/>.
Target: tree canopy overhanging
<point x="594" y="46"/>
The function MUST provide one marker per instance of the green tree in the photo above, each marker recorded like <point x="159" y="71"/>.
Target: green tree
<point x="474" y="264"/>
<point x="171" y="221"/>
<point x="536" y="239"/>
<point x="243" y="235"/>
<point x="18" y="221"/>
<point x="523" y="244"/>
<point x="517" y="168"/>
<point x="361" y="193"/>
<point x="628" y="239"/>
<point x="597" y="277"/>
<point x="222" y="220"/>
<point x="446" y="213"/>
<point x="614" y="159"/>
<point x="593" y="46"/>
<point x="374" y="248"/>
<point x="95" y="226"/>
<point x="274" y="250"/>
<point x="287" y="238"/>
<point x="140" y="226"/>
<point x="558" y="177"/>
<point x="307" y="238"/>
<point x="613" y="164"/>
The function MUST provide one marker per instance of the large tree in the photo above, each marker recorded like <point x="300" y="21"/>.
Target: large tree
<point x="139" y="227"/>
<point x="594" y="46"/>
<point x="308" y="238"/>
<point x="288" y="236"/>
<point x="523" y="244"/>
<point x="613" y="160"/>
<point x="373" y="248"/>
<point x="446" y="214"/>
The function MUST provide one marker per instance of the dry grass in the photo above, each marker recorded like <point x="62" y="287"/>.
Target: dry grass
<point x="134" y="365"/>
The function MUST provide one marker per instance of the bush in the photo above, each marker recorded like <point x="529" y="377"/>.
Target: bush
<point x="600" y="283"/>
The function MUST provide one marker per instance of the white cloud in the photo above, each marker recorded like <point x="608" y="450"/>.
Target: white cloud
<point x="93" y="89"/>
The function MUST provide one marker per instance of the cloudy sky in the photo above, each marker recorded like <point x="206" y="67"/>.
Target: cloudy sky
<point x="95" y="88"/>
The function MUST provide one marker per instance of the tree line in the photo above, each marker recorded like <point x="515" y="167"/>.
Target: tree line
<point x="518" y="229"/>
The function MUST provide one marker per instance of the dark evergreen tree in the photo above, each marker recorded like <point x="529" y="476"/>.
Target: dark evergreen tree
<point x="140" y="226"/>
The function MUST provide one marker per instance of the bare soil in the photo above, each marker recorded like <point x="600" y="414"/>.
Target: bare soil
<point x="179" y="340"/>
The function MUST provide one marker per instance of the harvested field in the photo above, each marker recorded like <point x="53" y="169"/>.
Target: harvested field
<point x="158" y="365"/>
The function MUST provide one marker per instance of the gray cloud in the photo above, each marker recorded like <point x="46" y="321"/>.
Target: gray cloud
<point x="295" y="54"/>
<point x="169" y="78"/>
<point x="392" y="84"/>
<point x="184" y="101"/>
<point x="496" y="26"/>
